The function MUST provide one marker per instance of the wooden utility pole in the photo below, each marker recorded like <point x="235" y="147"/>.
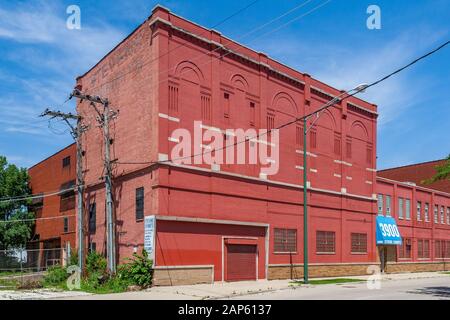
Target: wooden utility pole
<point x="76" y="132"/>
<point x="104" y="118"/>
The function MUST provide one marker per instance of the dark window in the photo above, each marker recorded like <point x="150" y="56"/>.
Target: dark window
<point x="140" y="203"/>
<point x="92" y="247"/>
<point x="66" y="162"/>
<point x="359" y="242"/>
<point x="92" y="217"/>
<point x="66" y="224"/>
<point x="405" y="249"/>
<point x="325" y="242"/>
<point x="285" y="240"/>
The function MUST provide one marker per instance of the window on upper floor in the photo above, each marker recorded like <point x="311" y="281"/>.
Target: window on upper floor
<point x="448" y="215"/>
<point x="369" y="155"/>
<point x="419" y="211"/>
<point x="206" y="107"/>
<point x="173" y="98"/>
<point x="66" y="162"/>
<point x="400" y="208"/>
<point x="337" y="144"/>
<point x="348" y="148"/>
<point x="436" y="213"/>
<point x="442" y="215"/>
<point x="408" y="209"/>
<point x="226" y="105"/>
<point x="252" y="114"/>
<point x="139" y="203"/>
<point x="270" y="121"/>
<point x="380" y="204"/>
<point x="313" y="138"/>
<point x="388" y="206"/>
<point x="66" y="225"/>
<point x="299" y="135"/>
<point x="427" y="212"/>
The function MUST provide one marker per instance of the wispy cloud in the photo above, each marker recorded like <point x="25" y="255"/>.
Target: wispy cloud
<point x="345" y="67"/>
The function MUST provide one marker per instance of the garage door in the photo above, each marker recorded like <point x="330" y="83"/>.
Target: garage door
<point x="241" y="262"/>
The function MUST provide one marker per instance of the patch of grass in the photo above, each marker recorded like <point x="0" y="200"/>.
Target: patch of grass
<point x="327" y="281"/>
<point x="9" y="284"/>
<point x="446" y="272"/>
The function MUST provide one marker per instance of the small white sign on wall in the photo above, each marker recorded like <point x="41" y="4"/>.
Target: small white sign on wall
<point x="149" y="236"/>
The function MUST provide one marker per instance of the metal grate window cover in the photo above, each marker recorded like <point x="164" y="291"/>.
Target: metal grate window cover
<point x="359" y="242"/>
<point x="325" y="242"/>
<point x="285" y="240"/>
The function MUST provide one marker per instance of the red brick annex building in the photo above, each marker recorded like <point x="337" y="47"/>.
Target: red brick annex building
<point x="232" y="222"/>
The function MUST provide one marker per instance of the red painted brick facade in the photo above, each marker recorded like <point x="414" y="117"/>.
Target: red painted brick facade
<point x="158" y="87"/>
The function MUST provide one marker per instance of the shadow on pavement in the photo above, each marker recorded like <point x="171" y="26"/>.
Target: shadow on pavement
<point x="442" y="292"/>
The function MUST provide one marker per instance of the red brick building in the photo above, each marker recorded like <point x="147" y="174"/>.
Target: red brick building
<point x="55" y="225"/>
<point x="233" y="222"/>
<point x="418" y="174"/>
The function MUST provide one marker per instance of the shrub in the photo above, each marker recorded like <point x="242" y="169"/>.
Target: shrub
<point x="73" y="259"/>
<point x="137" y="271"/>
<point x="96" y="263"/>
<point x="56" y="276"/>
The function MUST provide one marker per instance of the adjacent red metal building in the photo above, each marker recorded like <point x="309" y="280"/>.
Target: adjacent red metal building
<point x="228" y="222"/>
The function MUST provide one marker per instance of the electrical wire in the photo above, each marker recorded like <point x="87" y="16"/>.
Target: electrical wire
<point x="36" y="219"/>
<point x="35" y="196"/>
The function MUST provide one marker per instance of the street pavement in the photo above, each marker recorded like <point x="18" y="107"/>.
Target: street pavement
<point x="427" y="285"/>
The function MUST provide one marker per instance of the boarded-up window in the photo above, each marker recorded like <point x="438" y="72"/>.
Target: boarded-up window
<point x="359" y="242"/>
<point x="337" y="145"/>
<point x="299" y="135"/>
<point x="369" y="155"/>
<point x="226" y="105"/>
<point x="206" y="107"/>
<point x="173" y="98"/>
<point x="140" y="203"/>
<point x="285" y="240"/>
<point x="325" y="242"/>
<point x="252" y="114"/>
<point x="313" y="139"/>
<point x="348" y="148"/>
<point x="270" y="121"/>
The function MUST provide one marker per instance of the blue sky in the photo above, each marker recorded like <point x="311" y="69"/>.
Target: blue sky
<point x="40" y="58"/>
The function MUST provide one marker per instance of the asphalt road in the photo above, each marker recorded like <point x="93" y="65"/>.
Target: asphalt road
<point x="411" y="289"/>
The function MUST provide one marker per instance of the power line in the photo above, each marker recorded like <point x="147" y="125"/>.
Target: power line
<point x="36" y="219"/>
<point x="325" y="106"/>
<point x="35" y="196"/>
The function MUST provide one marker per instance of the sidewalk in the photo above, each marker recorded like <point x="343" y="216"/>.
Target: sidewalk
<point x="225" y="290"/>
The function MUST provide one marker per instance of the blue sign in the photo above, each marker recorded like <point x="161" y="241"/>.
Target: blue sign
<point x="149" y="235"/>
<point x="387" y="231"/>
